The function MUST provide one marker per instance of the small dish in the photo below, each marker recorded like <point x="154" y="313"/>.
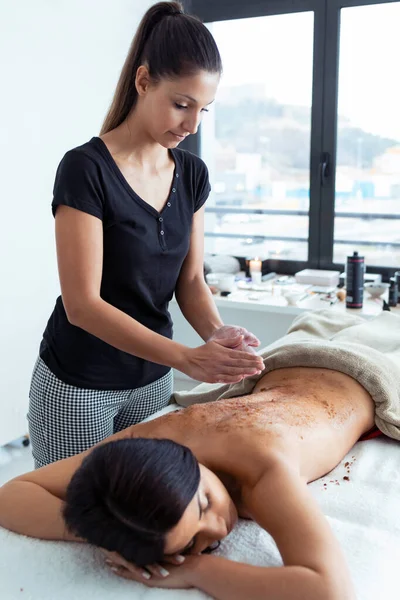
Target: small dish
<point x="293" y="297"/>
<point x="225" y="282"/>
<point x="376" y="290"/>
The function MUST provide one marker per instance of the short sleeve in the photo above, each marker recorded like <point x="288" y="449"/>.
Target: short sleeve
<point x="203" y="187"/>
<point x="77" y="185"/>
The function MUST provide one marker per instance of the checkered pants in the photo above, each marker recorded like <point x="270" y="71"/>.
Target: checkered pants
<point x="65" y="420"/>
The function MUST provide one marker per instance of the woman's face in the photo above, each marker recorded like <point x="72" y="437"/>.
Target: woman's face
<point x="209" y="517"/>
<point x="172" y="109"/>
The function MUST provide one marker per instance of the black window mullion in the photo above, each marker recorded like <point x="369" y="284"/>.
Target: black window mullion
<point x="350" y="3"/>
<point x="329" y="128"/>
<point x="223" y="10"/>
<point x="192" y="143"/>
<point x="316" y="136"/>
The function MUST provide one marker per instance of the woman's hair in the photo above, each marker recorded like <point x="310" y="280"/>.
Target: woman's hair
<point x="128" y="494"/>
<point x="170" y="44"/>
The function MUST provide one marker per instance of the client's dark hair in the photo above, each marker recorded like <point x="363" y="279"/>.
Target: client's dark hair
<point x="128" y="494"/>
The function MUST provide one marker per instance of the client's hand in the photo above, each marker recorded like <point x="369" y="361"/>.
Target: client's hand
<point x="249" y="342"/>
<point x="221" y="361"/>
<point x="172" y="574"/>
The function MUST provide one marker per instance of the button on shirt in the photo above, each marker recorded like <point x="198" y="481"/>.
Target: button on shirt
<point x="143" y="252"/>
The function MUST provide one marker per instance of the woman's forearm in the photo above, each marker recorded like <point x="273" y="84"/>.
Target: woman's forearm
<point x="224" y="579"/>
<point x="198" y="307"/>
<point x="42" y="519"/>
<point x="212" y="363"/>
<point x="118" y="329"/>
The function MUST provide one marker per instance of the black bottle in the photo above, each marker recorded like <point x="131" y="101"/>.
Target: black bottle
<point x="354" y="281"/>
<point x="393" y="292"/>
<point x="397" y="278"/>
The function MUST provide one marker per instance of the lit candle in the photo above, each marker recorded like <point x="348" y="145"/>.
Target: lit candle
<point x="255" y="270"/>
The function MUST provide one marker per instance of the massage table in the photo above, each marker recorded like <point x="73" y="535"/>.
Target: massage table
<point x="360" y="498"/>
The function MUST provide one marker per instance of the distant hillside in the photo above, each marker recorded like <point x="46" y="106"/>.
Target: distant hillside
<point x="281" y="134"/>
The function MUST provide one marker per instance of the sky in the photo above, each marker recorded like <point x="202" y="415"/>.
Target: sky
<point x="369" y="92"/>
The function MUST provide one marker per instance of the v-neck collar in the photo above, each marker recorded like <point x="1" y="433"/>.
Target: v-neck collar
<point x="108" y="156"/>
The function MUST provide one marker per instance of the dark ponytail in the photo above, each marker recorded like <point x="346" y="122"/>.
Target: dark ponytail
<point x="170" y="44"/>
<point x="128" y="494"/>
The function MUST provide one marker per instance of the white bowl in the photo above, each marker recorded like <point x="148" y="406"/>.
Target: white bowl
<point x="225" y="282"/>
<point x="293" y="297"/>
<point x="375" y="290"/>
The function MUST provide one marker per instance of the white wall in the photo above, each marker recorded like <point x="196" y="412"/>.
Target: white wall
<point x="60" y="61"/>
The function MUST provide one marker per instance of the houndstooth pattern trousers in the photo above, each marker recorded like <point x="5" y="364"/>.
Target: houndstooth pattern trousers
<point x="65" y="420"/>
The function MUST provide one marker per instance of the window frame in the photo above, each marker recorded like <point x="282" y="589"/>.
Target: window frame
<point x="323" y="116"/>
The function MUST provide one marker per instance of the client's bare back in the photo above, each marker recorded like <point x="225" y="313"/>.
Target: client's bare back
<point x="313" y="416"/>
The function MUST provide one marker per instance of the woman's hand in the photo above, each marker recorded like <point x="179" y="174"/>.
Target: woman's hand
<point x="250" y="341"/>
<point x="221" y="361"/>
<point x="172" y="574"/>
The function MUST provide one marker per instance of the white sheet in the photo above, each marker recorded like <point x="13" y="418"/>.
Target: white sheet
<point x="363" y="512"/>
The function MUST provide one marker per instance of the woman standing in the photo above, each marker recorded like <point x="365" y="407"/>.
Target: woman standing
<point x="129" y="215"/>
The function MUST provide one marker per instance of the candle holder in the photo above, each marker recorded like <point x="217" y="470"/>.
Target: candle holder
<point x="255" y="269"/>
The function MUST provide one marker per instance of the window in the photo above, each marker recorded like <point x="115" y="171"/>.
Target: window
<point x="368" y="138"/>
<point x="258" y="150"/>
<point x="303" y="142"/>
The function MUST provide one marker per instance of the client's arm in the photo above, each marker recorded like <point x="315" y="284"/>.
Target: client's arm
<point x="31" y="504"/>
<point x="314" y="567"/>
<point x="30" y="509"/>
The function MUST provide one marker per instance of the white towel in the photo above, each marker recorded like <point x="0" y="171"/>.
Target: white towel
<point x="367" y="350"/>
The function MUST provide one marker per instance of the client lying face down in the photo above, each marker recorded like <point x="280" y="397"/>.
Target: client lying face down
<point x="176" y="485"/>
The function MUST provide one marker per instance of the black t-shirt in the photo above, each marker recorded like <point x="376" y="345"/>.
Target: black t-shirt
<point x="143" y="252"/>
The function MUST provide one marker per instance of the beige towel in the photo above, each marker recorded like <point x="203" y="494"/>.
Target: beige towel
<point x="367" y="350"/>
